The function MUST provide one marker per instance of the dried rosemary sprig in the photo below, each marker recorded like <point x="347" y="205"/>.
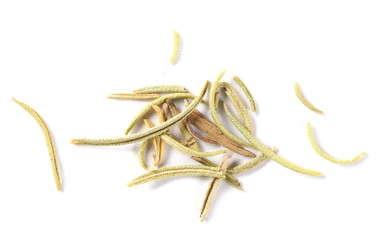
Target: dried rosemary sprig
<point x="213" y="185"/>
<point x="327" y="156"/>
<point x="49" y="142"/>
<point x="141" y="136"/>
<point x="168" y="172"/>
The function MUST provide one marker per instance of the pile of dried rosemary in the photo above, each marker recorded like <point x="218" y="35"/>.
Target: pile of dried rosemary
<point x="189" y="121"/>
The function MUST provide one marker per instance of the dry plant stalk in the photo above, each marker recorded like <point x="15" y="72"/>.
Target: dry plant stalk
<point x="161" y="146"/>
<point x="213" y="185"/>
<point x="155" y="143"/>
<point x="49" y="142"/>
<point x="326" y="155"/>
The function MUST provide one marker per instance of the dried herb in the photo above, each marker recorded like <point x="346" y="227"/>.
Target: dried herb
<point x="49" y="142"/>
<point x="175" y="48"/>
<point x="266" y="151"/>
<point x="168" y="172"/>
<point x="213" y="185"/>
<point x="138" y="96"/>
<point x="306" y="103"/>
<point x="161" y="89"/>
<point x="327" y="156"/>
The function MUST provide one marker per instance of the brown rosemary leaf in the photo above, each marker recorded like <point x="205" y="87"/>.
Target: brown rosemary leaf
<point x="192" y="143"/>
<point x="167" y="172"/>
<point x="213" y="133"/>
<point x="161" y="146"/>
<point x="155" y="131"/>
<point x="199" y="136"/>
<point x="155" y="141"/>
<point x="213" y="185"/>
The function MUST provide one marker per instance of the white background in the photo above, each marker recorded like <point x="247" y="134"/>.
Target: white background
<point x="63" y="57"/>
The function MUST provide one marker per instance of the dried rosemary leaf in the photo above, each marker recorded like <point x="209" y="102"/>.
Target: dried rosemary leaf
<point x="266" y="151"/>
<point x="249" y="165"/>
<point x="162" y="89"/>
<point x="213" y="185"/>
<point x="238" y="104"/>
<point x="138" y="96"/>
<point x="155" y="141"/>
<point x="199" y="136"/>
<point x="175" y="144"/>
<point x="247" y="93"/>
<point x="327" y="156"/>
<point x="168" y="172"/>
<point x="148" y="107"/>
<point x="49" y="142"/>
<point x="214" y="133"/>
<point x="192" y="143"/>
<point x="306" y="103"/>
<point x="141" y="155"/>
<point x="212" y="107"/>
<point x="175" y="48"/>
<point x="141" y="136"/>
<point x="161" y="146"/>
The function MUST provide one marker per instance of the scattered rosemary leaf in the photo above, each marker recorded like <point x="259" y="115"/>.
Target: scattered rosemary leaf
<point x="238" y="104"/>
<point x="199" y="136"/>
<point x="306" y="103"/>
<point x="327" y="156"/>
<point x="247" y="93"/>
<point x="162" y="89"/>
<point x="168" y="172"/>
<point x="49" y="142"/>
<point x="214" y="133"/>
<point x="213" y="185"/>
<point x="141" y="155"/>
<point x="249" y="165"/>
<point x="157" y="101"/>
<point x="175" y="144"/>
<point x="266" y="151"/>
<point x="138" y="96"/>
<point x="175" y="48"/>
<point x="154" y="140"/>
<point x="155" y="131"/>
<point x="161" y="146"/>
<point x="217" y="121"/>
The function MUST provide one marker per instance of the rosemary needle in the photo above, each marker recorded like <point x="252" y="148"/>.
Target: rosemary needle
<point x="155" y="131"/>
<point x="302" y="99"/>
<point x="246" y="92"/>
<point x="327" y="156"/>
<point x="162" y="89"/>
<point x="138" y="96"/>
<point x="175" y="144"/>
<point x="157" y="101"/>
<point x="49" y="142"/>
<point x="266" y="151"/>
<point x="213" y="185"/>
<point x="212" y="107"/>
<point x="168" y="172"/>
<point x="176" y="47"/>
